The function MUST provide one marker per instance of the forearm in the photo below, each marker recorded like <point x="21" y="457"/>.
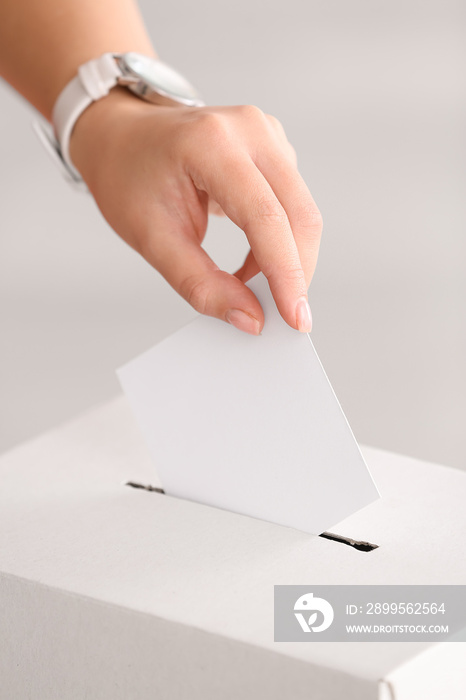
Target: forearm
<point x="43" y="42"/>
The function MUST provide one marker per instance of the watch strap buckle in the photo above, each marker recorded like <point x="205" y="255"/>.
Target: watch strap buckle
<point x="46" y="136"/>
<point x="99" y="76"/>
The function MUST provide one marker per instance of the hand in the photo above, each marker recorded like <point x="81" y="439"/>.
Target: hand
<point x="155" y="172"/>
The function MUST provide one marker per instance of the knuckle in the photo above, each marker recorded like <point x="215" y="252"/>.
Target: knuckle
<point x="290" y="271"/>
<point x="309" y="217"/>
<point x="293" y="270"/>
<point x="196" y="290"/>
<point x="293" y="273"/>
<point x="266" y="207"/>
<point x="251" y="112"/>
<point x="214" y="123"/>
<point x="276" y="123"/>
<point x="208" y="126"/>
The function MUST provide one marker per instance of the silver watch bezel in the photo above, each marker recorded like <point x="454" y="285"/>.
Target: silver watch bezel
<point x="158" y="94"/>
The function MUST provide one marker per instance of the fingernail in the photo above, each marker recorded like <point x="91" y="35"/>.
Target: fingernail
<point x="303" y="315"/>
<point x="243" y="321"/>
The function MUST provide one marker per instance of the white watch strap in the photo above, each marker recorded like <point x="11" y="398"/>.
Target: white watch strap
<point x="95" y="79"/>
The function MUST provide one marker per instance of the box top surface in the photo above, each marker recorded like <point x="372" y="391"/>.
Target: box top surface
<point x="64" y="507"/>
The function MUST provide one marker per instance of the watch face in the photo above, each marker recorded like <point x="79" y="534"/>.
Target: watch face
<point x="157" y="80"/>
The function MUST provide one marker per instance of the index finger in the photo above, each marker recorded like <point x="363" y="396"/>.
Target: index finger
<point x="249" y="201"/>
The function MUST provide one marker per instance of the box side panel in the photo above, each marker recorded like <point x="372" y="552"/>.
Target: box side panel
<point x="57" y="646"/>
<point x="439" y="672"/>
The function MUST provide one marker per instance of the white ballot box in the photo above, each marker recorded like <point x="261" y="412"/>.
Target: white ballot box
<point x="109" y="591"/>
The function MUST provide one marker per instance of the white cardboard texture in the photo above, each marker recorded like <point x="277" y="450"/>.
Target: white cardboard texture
<point x="112" y="592"/>
<point x="249" y="424"/>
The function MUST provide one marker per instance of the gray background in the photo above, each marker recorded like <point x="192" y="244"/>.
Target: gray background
<point x="372" y="97"/>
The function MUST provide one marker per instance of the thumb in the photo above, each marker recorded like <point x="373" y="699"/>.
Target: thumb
<point x="211" y="291"/>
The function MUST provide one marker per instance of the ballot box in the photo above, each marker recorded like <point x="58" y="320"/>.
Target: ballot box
<point x="111" y="590"/>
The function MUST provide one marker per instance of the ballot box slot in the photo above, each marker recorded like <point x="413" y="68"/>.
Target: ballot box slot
<point x="356" y="544"/>
<point x="145" y="487"/>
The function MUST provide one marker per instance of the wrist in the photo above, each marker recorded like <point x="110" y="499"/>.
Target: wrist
<point x="94" y="129"/>
<point x="91" y="104"/>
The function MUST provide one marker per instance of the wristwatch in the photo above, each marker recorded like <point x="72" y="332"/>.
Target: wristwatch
<point x="146" y="77"/>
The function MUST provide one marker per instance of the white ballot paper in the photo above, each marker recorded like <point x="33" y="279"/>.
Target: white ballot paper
<point x="248" y="423"/>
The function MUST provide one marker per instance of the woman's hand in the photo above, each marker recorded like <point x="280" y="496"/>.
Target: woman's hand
<point x="156" y="172"/>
